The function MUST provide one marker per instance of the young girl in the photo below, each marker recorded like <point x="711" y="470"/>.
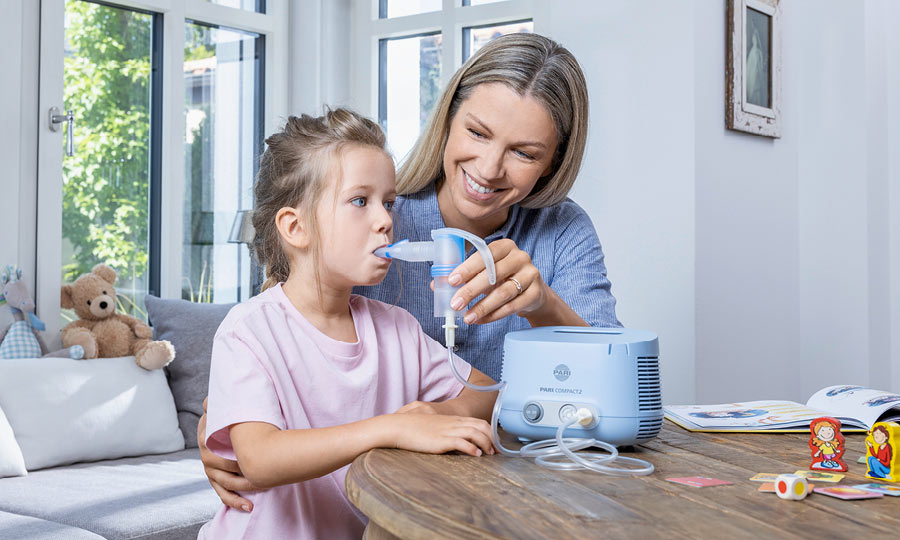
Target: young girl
<point x="305" y="376"/>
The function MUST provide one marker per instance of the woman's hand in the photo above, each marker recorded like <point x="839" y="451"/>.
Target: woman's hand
<point x="519" y="290"/>
<point x="437" y="434"/>
<point x="224" y="475"/>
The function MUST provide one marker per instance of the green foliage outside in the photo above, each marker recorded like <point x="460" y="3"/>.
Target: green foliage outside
<point x="106" y="183"/>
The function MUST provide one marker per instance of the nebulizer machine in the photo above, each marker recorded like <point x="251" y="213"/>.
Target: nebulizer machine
<point x="582" y="384"/>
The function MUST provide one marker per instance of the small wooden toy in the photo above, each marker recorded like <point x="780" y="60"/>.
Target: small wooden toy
<point x="882" y="461"/>
<point x="792" y="487"/>
<point x="826" y="444"/>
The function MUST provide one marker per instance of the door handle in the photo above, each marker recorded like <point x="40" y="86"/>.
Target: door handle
<point x="56" y="119"/>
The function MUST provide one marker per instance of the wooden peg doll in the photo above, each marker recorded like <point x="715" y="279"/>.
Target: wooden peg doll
<point x="826" y="444"/>
<point x="882" y="461"/>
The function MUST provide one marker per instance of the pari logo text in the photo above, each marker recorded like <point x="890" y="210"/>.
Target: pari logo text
<point x="561" y="372"/>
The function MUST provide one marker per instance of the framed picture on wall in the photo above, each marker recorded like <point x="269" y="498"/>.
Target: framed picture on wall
<point x="753" y="67"/>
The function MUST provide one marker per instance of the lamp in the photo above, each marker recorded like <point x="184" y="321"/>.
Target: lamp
<point x="242" y="232"/>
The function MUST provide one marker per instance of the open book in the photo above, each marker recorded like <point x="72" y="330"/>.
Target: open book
<point x="856" y="407"/>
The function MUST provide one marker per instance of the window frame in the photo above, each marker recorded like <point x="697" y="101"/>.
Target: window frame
<point x="167" y="192"/>
<point x="367" y="30"/>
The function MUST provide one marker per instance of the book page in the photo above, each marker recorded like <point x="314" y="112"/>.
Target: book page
<point x="750" y="415"/>
<point x="864" y="404"/>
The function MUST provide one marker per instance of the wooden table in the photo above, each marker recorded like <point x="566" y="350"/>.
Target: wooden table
<point x="412" y="496"/>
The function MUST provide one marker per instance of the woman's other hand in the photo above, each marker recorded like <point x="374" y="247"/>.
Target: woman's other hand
<point x="223" y="474"/>
<point x="519" y="290"/>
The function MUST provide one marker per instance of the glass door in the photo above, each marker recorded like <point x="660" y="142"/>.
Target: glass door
<point x="98" y="150"/>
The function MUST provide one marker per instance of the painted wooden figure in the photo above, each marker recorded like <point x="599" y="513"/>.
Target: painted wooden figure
<point x="826" y="444"/>
<point x="882" y="461"/>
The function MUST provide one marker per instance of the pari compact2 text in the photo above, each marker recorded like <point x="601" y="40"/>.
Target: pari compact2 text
<point x="447" y="250"/>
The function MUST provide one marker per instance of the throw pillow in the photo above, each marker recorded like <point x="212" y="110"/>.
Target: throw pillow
<point x="65" y="411"/>
<point x="11" y="461"/>
<point x="190" y="327"/>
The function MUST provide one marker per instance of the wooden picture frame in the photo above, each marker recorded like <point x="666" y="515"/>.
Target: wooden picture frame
<point x="753" y="67"/>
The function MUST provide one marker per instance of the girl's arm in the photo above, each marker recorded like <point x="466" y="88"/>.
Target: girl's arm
<point x="271" y="457"/>
<point x="468" y="403"/>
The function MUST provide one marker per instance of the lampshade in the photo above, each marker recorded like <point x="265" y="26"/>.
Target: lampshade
<point x="242" y="230"/>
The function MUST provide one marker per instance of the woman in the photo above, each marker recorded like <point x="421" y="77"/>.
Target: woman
<point x="498" y="157"/>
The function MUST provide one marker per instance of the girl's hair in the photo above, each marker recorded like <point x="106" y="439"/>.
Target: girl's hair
<point x="531" y="65"/>
<point x="292" y="173"/>
<point x="819" y="425"/>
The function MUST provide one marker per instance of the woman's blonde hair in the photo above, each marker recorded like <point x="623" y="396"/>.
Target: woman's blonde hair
<point x="531" y="65"/>
<point x="292" y="173"/>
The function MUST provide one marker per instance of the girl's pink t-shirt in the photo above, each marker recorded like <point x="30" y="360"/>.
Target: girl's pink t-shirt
<point x="269" y="364"/>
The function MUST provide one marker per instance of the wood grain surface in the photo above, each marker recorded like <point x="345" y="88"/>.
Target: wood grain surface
<point x="417" y="496"/>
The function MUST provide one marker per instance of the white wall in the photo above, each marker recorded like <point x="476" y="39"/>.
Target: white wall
<point x="792" y="270"/>
<point x="637" y="180"/>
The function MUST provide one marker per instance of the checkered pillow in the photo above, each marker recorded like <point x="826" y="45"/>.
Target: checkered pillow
<point x="20" y="342"/>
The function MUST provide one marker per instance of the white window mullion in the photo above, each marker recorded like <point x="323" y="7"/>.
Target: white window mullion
<point x="172" y="226"/>
<point x="450" y="56"/>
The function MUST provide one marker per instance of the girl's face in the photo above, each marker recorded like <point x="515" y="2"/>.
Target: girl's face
<point x="357" y="220"/>
<point x="826" y="433"/>
<point x="879" y="437"/>
<point x="499" y="145"/>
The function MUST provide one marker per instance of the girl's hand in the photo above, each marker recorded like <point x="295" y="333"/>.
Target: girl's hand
<point x="519" y="290"/>
<point x="224" y="475"/>
<point x="437" y="434"/>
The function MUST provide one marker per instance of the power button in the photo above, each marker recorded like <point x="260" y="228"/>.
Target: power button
<point x="532" y="412"/>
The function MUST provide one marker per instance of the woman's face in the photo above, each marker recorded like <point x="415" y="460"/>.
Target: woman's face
<point x="880" y="438"/>
<point x="499" y="145"/>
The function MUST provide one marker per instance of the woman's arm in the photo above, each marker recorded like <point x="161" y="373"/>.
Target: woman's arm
<point x="271" y="457"/>
<point x="468" y="403"/>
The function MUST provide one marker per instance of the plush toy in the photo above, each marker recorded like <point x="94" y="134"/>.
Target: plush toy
<point x="20" y="339"/>
<point x="104" y="333"/>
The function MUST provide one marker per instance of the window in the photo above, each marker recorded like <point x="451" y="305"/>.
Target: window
<point x="222" y="137"/>
<point x="418" y="45"/>
<point x="108" y="83"/>
<point x="170" y="103"/>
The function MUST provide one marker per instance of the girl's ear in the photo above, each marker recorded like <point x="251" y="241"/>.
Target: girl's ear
<point x="292" y="227"/>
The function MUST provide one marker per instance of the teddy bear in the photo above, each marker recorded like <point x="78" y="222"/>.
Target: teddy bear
<point x="104" y="333"/>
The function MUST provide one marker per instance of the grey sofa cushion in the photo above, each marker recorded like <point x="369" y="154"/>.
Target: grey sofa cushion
<point x="163" y="497"/>
<point x="30" y="528"/>
<point x="191" y="328"/>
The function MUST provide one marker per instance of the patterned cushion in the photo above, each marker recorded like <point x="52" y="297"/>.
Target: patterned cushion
<point x="20" y="342"/>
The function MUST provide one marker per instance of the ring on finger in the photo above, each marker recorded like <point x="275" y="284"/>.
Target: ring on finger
<point x="518" y="285"/>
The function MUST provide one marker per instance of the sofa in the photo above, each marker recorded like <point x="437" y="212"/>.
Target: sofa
<point x="110" y="449"/>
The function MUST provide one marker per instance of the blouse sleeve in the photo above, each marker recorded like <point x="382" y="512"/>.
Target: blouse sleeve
<point x="240" y="390"/>
<point x="579" y="276"/>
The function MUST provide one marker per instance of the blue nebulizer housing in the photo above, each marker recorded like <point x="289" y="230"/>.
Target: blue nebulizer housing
<point x="553" y="371"/>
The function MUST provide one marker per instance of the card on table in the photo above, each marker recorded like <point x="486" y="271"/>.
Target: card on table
<point x="848" y="493"/>
<point x="862" y="459"/>
<point x="893" y="491"/>
<point x="821" y="476"/>
<point x="699" y="481"/>
<point x="764" y="477"/>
